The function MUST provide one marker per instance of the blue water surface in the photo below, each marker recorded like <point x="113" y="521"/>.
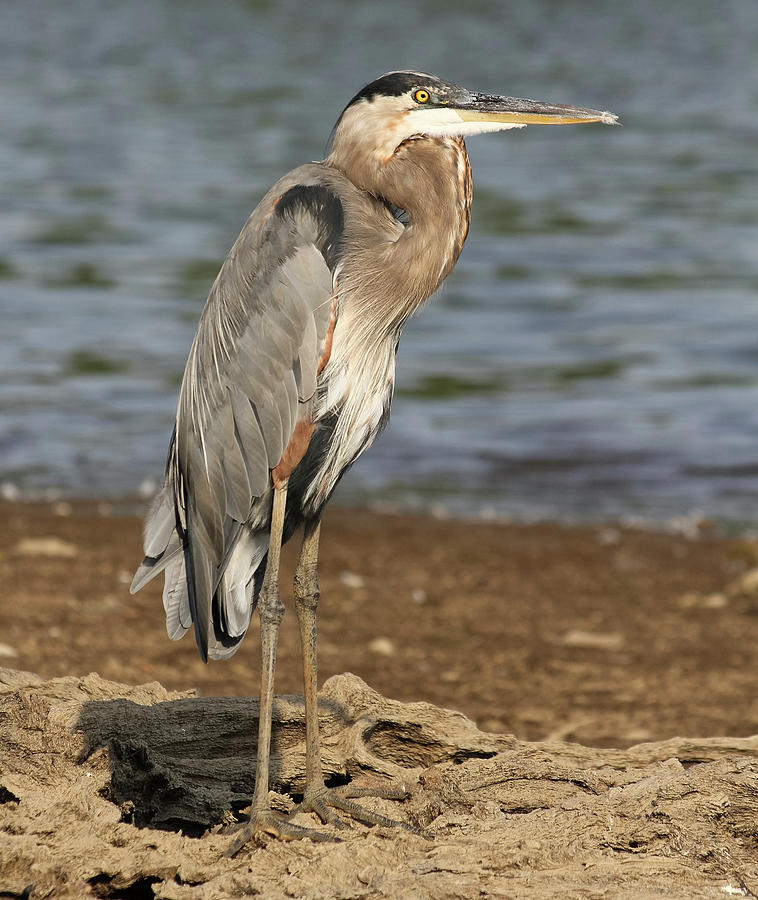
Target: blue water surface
<point x="594" y="354"/>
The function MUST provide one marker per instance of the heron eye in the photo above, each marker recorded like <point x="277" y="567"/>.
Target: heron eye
<point x="421" y="96"/>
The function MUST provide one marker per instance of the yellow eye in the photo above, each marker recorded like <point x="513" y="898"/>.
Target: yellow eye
<point x="421" y="96"/>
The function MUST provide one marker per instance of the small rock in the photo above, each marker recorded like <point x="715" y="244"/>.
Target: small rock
<point x="383" y="646"/>
<point x="46" y="546"/>
<point x="351" y="580"/>
<point x="609" y="640"/>
<point x="452" y="676"/>
<point x="9" y="491"/>
<point x="693" y="600"/>
<point x="109" y="602"/>
<point x="7" y="650"/>
<point x="749" y="581"/>
<point x="418" y="595"/>
<point x="608" y="536"/>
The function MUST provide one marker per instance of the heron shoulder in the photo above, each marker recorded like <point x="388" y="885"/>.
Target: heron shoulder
<point x="342" y="216"/>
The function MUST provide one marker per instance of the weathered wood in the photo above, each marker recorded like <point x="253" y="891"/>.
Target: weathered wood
<point x="84" y="761"/>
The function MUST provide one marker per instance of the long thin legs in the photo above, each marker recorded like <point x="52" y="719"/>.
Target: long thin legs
<point x="306" y="602"/>
<point x="317" y="797"/>
<point x="271" y="610"/>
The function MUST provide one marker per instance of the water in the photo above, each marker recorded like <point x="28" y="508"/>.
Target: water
<point x="593" y="355"/>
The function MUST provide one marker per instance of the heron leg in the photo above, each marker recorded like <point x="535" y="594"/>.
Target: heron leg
<point x="317" y="797"/>
<point x="307" y="595"/>
<point x="271" y="611"/>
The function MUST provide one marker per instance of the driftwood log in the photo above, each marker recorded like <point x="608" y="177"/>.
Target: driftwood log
<point x="110" y="790"/>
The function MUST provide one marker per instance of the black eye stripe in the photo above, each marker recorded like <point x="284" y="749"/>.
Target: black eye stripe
<point x="394" y="84"/>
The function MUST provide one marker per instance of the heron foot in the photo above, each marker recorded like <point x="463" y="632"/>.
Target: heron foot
<point x="269" y="823"/>
<point x="323" y="801"/>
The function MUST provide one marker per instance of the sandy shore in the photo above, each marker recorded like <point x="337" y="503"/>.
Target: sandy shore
<point x="604" y="635"/>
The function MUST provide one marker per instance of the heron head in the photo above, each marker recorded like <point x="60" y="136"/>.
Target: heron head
<point x="403" y="105"/>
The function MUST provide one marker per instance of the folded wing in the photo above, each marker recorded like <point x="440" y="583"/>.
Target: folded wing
<point x="250" y="378"/>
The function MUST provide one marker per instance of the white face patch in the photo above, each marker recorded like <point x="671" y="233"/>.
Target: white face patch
<point x="442" y="121"/>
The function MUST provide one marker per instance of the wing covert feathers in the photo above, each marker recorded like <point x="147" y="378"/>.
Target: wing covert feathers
<point x="250" y="381"/>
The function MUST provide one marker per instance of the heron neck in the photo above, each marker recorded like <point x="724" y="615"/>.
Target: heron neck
<point x="429" y="178"/>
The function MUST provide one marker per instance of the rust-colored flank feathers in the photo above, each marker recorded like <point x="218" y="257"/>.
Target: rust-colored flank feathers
<point x="293" y="453"/>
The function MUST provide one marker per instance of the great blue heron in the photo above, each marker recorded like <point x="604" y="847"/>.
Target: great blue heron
<point x="291" y="374"/>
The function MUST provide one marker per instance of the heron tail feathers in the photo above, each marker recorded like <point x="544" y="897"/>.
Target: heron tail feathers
<point x="161" y="542"/>
<point x="237" y="591"/>
<point x="225" y="602"/>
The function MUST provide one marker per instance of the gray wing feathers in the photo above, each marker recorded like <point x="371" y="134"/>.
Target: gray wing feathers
<point x="250" y="377"/>
<point x="176" y="599"/>
<point x="237" y="582"/>
<point x="305" y="376"/>
<point x="162" y="520"/>
<point x="236" y="478"/>
<point x="162" y="544"/>
<point x="250" y="437"/>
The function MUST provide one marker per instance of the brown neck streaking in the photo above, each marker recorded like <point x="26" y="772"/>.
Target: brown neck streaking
<point x="439" y="209"/>
<point x="430" y="178"/>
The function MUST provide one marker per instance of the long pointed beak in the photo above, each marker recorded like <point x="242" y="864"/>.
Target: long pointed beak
<point x="517" y="111"/>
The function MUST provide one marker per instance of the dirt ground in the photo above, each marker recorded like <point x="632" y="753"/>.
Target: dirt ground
<point x="604" y="636"/>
